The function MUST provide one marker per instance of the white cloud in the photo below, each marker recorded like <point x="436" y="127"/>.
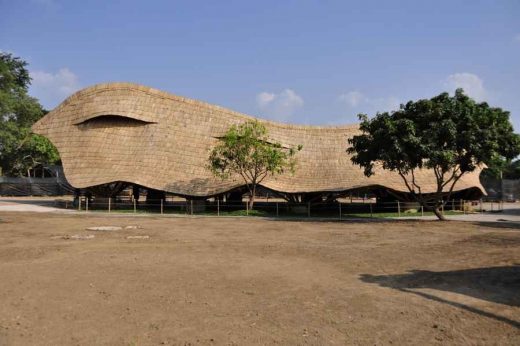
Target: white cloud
<point x="52" y="88"/>
<point x="279" y="106"/>
<point x="361" y="103"/>
<point x="353" y="98"/>
<point x="263" y="99"/>
<point x="386" y="104"/>
<point x="471" y="83"/>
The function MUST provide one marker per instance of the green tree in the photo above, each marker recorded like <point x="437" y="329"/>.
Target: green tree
<point x="20" y="150"/>
<point x="450" y="135"/>
<point x="501" y="168"/>
<point x="512" y="170"/>
<point x="246" y="151"/>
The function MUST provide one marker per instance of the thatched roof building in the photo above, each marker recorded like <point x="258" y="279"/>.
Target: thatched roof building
<point x="127" y="132"/>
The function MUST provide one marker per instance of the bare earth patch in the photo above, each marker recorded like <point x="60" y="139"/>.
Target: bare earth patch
<point x="252" y="281"/>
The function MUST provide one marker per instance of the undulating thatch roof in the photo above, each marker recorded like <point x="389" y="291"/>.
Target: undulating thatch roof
<point x="127" y="132"/>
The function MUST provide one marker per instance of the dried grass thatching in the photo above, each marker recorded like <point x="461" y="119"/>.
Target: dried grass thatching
<point x="127" y="132"/>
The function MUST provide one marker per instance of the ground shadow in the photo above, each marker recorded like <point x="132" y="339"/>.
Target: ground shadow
<point x="500" y="224"/>
<point x="30" y="201"/>
<point x="494" y="284"/>
<point x="507" y="211"/>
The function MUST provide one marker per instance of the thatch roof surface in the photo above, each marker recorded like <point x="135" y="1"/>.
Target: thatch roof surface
<point x="164" y="142"/>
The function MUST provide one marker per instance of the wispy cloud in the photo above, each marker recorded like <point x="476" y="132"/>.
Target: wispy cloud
<point x="279" y="106"/>
<point x="52" y="88"/>
<point x="353" y="98"/>
<point x="264" y="99"/>
<point x="361" y="103"/>
<point x="471" y="83"/>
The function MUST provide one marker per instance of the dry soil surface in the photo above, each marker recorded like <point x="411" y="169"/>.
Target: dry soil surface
<point x="233" y="281"/>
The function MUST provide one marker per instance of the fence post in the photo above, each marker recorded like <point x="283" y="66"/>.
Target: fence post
<point x="247" y="208"/>
<point x="162" y="206"/>
<point x="371" y="215"/>
<point x="109" y="203"/>
<point x="398" y="209"/>
<point x="309" y="209"/>
<point x="86" y="204"/>
<point x="276" y="208"/>
<point x="340" y="211"/>
<point x="79" y="203"/>
<point x="422" y="210"/>
<point x="191" y="207"/>
<point x="452" y="205"/>
<point x="135" y="207"/>
<point x="218" y="207"/>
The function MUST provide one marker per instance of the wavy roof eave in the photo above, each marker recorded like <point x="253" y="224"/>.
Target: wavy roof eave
<point x="98" y="156"/>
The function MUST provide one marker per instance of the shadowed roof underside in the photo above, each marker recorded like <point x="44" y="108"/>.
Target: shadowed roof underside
<point x="127" y="132"/>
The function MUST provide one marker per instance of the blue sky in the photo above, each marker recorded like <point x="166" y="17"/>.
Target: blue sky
<point x="308" y="62"/>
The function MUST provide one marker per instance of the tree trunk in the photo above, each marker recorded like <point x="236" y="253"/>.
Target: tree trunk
<point x="252" y="198"/>
<point x="438" y="213"/>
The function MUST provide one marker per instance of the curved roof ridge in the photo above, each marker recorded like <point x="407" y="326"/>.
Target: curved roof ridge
<point x="100" y="87"/>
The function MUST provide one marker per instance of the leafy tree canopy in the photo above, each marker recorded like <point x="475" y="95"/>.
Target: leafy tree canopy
<point x="246" y="150"/>
<point x="499" y="168"/>
<point x="512" y="170"/>
<point x="451" y="135"/>
<point x="19" y="149"/>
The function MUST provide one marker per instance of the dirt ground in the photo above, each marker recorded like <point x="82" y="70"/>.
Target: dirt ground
<point x="237" y="281"/>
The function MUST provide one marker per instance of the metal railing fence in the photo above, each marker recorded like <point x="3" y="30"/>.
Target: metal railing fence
<point x="332" y="210"/>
